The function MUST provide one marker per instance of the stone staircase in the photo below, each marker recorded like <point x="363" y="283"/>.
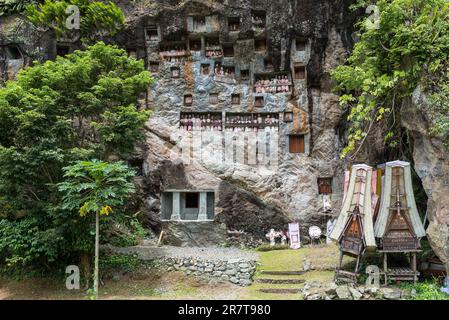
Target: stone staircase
<point x="293" y="274"/>
<point x="283" y="282"/>
<point x="282" y="273"/>
<point x="280" y="281"/>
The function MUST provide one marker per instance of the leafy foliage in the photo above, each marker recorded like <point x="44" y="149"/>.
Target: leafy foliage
<point x="439" y="106"/>
<point x="124" y="231"/>
<point x="23" y="241"/>
<point x="125" y="263"/>
<point x="389" y="62"/>
<point x="124" y="240"/>
<point x="53" y="115"/>
<point x="95" y="186"/>
<point x="428" y="290"/>
<point x="8" y="7"/>
<point x="95" y="17"/>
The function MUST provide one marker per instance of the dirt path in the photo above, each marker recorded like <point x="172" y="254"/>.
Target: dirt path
<point x="202" y="253"/>
<point x="142" y="284"/>
<point x="3" y="294"/>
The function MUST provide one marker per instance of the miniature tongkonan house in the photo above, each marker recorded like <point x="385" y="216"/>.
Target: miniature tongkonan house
<point x="398" y="227"/>
<point x="354" y="227"/>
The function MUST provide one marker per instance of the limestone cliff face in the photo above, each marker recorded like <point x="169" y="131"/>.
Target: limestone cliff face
<point x="432" y="166"/>
<point x="20" y="44"/>
<point x="302" y="40"/>
<point x="248" y="197"/>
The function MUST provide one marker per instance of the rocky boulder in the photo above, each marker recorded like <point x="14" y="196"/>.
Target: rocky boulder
<point x="390" y="293"/>
<point x="431" y="163"/>
<point x="343" y="293"/>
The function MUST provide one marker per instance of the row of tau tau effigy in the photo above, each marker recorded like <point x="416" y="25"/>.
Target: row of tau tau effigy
<point x="379" y="213"/>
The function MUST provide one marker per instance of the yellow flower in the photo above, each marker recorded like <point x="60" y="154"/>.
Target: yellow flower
<point x="83" y="209"/>
<point x="106" y="210"/>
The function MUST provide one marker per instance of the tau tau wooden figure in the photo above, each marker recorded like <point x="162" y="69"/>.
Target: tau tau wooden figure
<point x="354" y="227"/>
<point x="398" y="227"/>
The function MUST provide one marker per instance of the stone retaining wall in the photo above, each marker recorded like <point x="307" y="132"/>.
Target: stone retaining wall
<point x="236" y="271"/>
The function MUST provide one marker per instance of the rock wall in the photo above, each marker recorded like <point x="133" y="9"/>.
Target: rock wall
<point x="302" y="40"/>
<point x="248" y="197"/>
<point x="194" y="234"/>
<point x="251" y="198"/>
<point x="20" y="44"/>
<point x="236" y="271"/>
<point x="318" y="291"/>
<point x="431" y="163"/>
<point x="223" y="264"/>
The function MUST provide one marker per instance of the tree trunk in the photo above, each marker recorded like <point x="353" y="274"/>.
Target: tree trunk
<point x="97" y="251"/>
<point x="86" y="259"/>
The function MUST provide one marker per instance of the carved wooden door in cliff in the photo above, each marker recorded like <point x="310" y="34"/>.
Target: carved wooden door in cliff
<point x="296" y="144"/>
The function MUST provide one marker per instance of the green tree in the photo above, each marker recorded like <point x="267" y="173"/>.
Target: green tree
<point x="8" y="7"/>
<point x="95" y="187"/>
<point x="409" y="47"/>
<point x="80" y="107"/>
<point x="96" y="18"/>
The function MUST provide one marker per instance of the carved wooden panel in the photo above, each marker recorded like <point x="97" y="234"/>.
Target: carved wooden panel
<point x="296" y="144"/>
<point x="398" y="222"/>
<point x="352" y="245"/>
<point x="324" y="185"/>
<point x="354" y="229"/>
<point x="399" y="241"/>
<point x="399" y="235"/>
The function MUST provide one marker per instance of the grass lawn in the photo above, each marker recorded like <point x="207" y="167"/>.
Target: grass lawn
<point x="323" y="257"/>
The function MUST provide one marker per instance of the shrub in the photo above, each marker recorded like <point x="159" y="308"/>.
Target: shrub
<point x="428" y="290"/>
<point x="125" y="263"/>
<point x="408" y="48"/>
<point x="8" y="7"/>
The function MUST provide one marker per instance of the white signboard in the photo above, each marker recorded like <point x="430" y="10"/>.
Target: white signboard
<point x="293" y="232"/>
<point x="329" y="227"/>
